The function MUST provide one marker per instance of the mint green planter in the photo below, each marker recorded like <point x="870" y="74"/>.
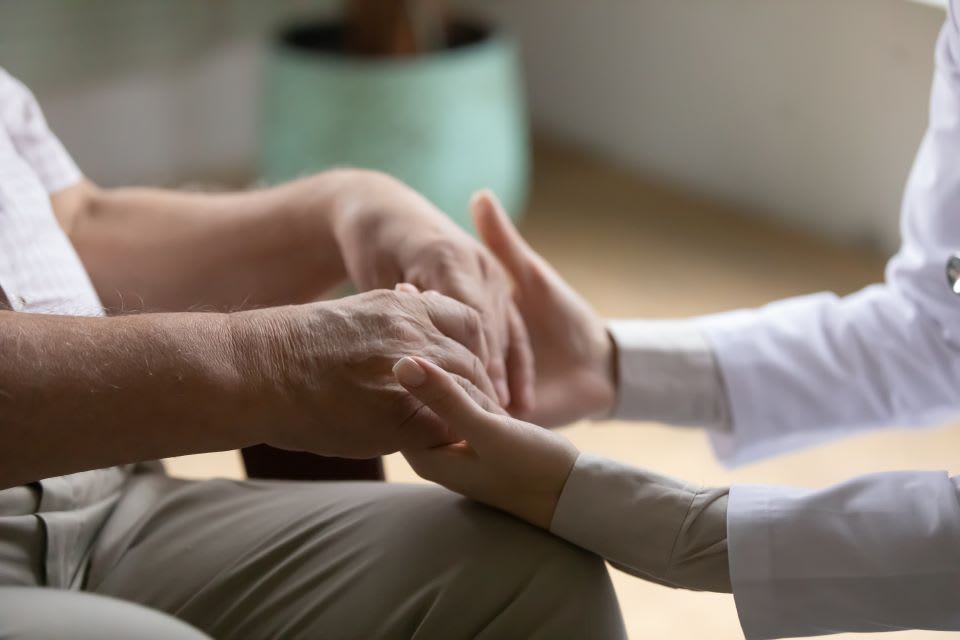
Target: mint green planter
<point x="447" y="123"/>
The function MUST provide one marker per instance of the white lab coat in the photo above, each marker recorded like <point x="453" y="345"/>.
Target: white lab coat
<point x="881" y="552"/>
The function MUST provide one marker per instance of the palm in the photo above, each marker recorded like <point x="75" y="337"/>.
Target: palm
<point x="571" y="349"/>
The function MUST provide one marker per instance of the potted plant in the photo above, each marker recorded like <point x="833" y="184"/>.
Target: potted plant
<point x="403" y="86"/>
<point x="406" y="87"/>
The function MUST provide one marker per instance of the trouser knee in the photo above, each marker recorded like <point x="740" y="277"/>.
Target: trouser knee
<point x="39" y="614"/>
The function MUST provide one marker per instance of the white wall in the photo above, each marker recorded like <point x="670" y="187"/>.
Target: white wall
<point x="164" y="125"/>
<point x="807" y="110"/>
<point x="148" y="92"/>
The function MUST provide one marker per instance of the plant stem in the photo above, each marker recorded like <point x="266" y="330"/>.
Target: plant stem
<point x="395" y="28"/>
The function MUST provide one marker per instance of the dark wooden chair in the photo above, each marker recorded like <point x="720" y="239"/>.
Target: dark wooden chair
<point x="268" y="463"/>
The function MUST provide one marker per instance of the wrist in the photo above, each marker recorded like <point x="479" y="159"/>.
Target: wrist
<point x="355" y="193"/>
<point x="260" y="346"/>
<point x="317" y="215"/>
<point x="548" y="503"/>
<point x="611" y="367"/>
<point x="604" y="372"/>
<point x="191" y="380"/>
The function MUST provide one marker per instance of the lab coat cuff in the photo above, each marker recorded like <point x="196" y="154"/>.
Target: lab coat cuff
<point x="667" y="373"/>
<point x="749" y="549"/>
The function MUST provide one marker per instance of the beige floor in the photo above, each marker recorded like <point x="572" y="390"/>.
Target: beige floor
<point x="638" y="250"/>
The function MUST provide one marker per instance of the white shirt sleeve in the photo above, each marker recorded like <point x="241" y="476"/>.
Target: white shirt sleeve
<point x="878" y="553"/>
<point x="805" y="370"/>
<point x="23" y="121"/>
<point x="667" y="372"/>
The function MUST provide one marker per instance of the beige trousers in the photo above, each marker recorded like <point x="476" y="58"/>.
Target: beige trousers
<point x="265" y="560"/>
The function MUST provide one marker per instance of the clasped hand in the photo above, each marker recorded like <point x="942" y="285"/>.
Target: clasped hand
<point x="502" y="460"/>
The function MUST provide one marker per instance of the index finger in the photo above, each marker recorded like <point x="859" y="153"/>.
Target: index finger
<point x="458" y="322"/>
<point x="440" y="392"/>
<point x="494" y="325"/>
<point x="520" y="365"/>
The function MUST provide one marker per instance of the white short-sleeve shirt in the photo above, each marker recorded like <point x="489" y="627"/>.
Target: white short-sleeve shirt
<point x="41" y="273"/>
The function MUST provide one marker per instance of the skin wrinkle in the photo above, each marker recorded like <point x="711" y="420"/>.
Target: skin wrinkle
<point x="93" y="361"/>
<point x="173" y="369"/>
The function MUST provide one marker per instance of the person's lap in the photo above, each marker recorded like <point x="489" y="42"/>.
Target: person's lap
<point x="33" y="613"/>
<point x="345" y="560"/>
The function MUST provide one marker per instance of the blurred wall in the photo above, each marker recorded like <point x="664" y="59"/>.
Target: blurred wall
<point x="807" y="110"/>
<point x="148" y="91"/>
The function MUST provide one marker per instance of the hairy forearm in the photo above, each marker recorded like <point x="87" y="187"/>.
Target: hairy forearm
<point x="85" y="393"/>
<point x="165" y="250"/>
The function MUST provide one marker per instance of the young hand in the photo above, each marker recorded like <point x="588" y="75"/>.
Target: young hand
<point x="501" y="461"/>
<point x="574" y="355"/>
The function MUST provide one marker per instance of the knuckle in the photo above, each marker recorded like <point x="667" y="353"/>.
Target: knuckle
<point x="485" y="264"/>
<point x="444" y="252"/>
<point x="480" y="398"/>
<point x="477" y="370"/>
<point x="435" y="297"/>
<point x="404" y="331"/>
<point x="381" y="295"/>
<point x="472" y="321"/>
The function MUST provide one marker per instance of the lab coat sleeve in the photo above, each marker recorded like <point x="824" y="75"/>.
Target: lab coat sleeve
<point x="877" y="553"/>
<point x="805" y="370"/>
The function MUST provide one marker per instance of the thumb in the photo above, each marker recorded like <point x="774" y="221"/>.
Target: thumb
<point x="501" y="237"/>
<point x="442" y="394"/>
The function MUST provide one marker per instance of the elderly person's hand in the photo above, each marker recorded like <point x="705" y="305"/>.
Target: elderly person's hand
<point x="318" y="378"/>
<point x="574" y="355"/>
<point x="499" y="460"/>
<point x="388" y="234"/>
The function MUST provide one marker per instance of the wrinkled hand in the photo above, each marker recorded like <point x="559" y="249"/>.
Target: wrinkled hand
<point x="574" y="355"/>
<point x="390" y="234"/>
<point x="500" y="461"/>
<point x="320" y="375"/>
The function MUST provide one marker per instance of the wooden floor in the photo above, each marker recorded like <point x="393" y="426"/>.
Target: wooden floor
<point x="638" y="250"/>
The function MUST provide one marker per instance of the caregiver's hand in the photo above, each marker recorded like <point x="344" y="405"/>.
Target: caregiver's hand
<point x="388" y="233"/>
<point x="574" y="355"/>
<point x="502" y="461"/>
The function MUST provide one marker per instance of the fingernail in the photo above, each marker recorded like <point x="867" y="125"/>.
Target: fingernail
<point x="409" y="372"/>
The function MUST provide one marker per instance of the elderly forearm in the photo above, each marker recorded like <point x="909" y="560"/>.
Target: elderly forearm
<point x="652" y="526"/>
<point x="84" y="393"/>
<point x="165" y="250"/>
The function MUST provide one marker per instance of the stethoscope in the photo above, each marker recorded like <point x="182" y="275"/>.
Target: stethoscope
<point x="953" y="272"/>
